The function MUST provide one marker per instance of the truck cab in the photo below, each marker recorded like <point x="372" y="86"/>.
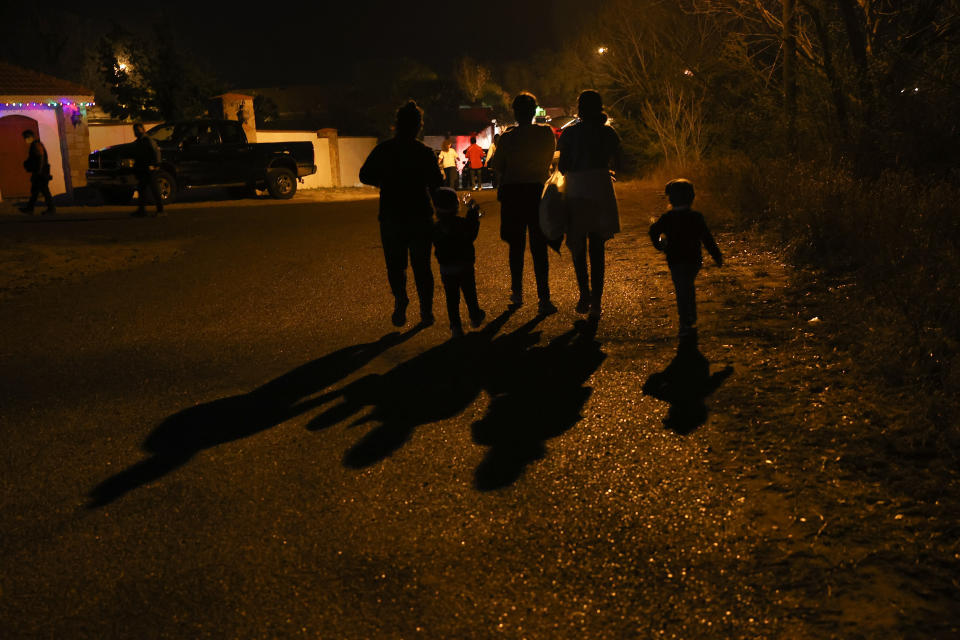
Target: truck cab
<point x="204" y="153"/>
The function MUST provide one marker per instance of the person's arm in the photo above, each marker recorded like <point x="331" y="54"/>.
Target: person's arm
<point x="36" y="157"/>
<point x="435" y="177"/>
<point x="495" y="160"/>
<point x="371" y="172"/>
<point x="563" y="145"/>
<point x="473" y="221"/>
<point x="656" y="230"/>
<point x="711" y="245"/>
<point x="616" y="155"/>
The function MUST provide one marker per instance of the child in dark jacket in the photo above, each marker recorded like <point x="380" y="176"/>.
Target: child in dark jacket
<point x="680" y="232"/>
<point x="453" y="238"/>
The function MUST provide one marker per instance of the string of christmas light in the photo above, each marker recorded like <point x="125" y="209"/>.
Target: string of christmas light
<point x="52" y="104"/>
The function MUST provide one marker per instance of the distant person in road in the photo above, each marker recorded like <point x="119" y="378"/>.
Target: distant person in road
<point x="522" y="164"/>
<point x="146" y="158"/>
<point x="474" y="155"/>
<point x="37" y="165"/>
<point x="406" y="172"/>
<point x="589" y="159"/>
<point x="489" y="158"/>
<point x="453" y="238"/>
<point x="448" y="163"/>
<point x="679" y="233"/>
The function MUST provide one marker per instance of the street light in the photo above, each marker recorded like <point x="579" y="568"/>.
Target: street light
<point x="602" y="50"/>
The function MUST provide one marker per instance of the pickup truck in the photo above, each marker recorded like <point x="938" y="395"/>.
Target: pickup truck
<point x="204" y="153"/>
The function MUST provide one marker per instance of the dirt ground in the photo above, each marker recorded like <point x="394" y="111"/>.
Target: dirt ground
<point x="849" y="501"/>
<point x="849" y="509"/>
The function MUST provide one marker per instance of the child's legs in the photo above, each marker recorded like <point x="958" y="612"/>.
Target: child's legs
<point x="468" y="283"/>
<point x="451" y="289"/>
<point x="684" y="277"/>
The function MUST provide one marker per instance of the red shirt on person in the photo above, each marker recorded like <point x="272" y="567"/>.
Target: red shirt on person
<point x="475" y="156"/>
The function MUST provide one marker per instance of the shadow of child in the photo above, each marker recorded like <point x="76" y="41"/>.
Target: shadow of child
<point x="685" y="384"/>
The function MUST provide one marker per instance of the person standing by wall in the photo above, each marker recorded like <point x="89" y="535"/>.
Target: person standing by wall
<point x="37" y="165"/>
<point x="589" y="158"/>
<point x="145" y="160"/>
<point x="448" y="163"/>
<point x="406" y="172"/>
<point x="522" y="164"/>
<point x="474" y="155"/>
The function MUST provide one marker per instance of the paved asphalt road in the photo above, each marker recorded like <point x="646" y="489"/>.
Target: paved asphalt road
<point x="228" y="439"/>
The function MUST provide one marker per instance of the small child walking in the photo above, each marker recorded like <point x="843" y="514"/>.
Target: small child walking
<point x="453" y="238"/>
<point x="679" y="233"/>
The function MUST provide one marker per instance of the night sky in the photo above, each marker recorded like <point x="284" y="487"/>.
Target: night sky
<point x="301" y="42"/>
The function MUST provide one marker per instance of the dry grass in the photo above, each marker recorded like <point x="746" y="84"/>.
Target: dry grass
<point x="891" y="244"/>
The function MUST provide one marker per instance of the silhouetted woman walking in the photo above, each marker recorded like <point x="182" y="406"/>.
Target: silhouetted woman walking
<point x="406" y="171"/>
<point x="589" y="157"/>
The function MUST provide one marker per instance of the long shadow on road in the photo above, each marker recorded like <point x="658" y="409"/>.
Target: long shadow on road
<point x="181" y="436"/>
<point x="435" y="385"/>
<point x="685" y="384"/>
<point x="536" y="394"/>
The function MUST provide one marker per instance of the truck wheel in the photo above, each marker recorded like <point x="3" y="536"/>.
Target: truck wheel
<point x="116" y="196"/>
<point x="281" y="183"/>
<point x="166" y="186"/>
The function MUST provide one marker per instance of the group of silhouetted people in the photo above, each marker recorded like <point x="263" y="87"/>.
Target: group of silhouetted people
<point x="414" y="183"/>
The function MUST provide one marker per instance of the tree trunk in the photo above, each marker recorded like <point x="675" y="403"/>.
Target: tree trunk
<point x="836" y="86"/>
<point x="853" y="21"/>
<point x="790" y="71"/>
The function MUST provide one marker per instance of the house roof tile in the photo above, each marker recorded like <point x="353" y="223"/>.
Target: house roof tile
<point x="18" y="81"/>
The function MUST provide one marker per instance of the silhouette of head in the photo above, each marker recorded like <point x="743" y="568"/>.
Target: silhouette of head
<point x="409" y="120"/>
<point x="138" y="129"/>
<point x="680" y="192"/>
<point x="525" y="107"/>
<point x="446" y="202"/>
<point x="445" y="144"/>
<point x="590" y="107"/>
<point x="473" y="139"/>
<point x="29" y="136"/>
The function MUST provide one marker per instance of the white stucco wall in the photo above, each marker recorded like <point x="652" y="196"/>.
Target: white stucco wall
<point x="50" y="137"/>
<point x="353" y="151"/>
<point x="107" y="135"/>
<point x="321" y="154"/>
